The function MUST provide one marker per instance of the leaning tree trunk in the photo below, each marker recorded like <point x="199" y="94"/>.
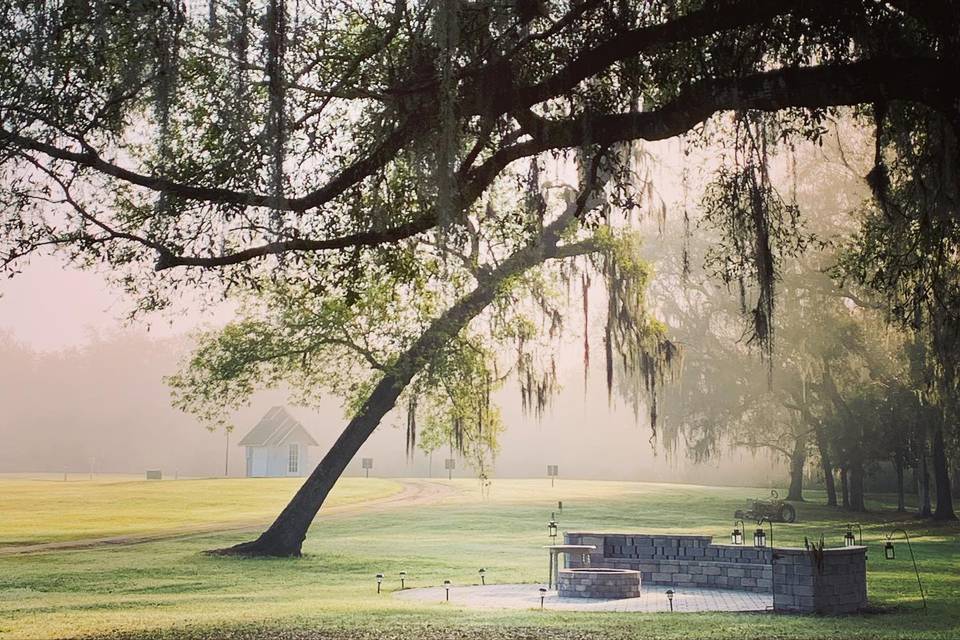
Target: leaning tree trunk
<point x="286" y="535"/>
<point x="826" y="465"/>
<point x="797" y="461"/>
<point x="941" y="475"/>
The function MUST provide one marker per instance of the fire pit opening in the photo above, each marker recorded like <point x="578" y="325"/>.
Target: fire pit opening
<point x="589" y="582"/>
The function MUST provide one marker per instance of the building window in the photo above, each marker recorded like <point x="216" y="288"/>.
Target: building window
<point x="293" y="463"/>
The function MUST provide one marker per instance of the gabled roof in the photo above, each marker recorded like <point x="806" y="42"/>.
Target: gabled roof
<point x="276" y="428"/>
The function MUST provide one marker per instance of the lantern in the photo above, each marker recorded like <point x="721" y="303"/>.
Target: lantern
<point x="888" y="551"/>
<point x="759" y="537"/>
<point x="670" y="598"/>
<point x="403" y="577"/>
<point x="379" y="581"/>
<point x="849" y="539"/>
<point x="736" y="536"/>
<point x="543" y="594"/>
<point x="483" y="573"/>
<point x="552" y="529"/>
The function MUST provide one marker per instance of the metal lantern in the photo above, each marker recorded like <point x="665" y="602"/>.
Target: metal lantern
<point x="849" y="539"/>
<point x="403" y="578"/>
<point x="736" y="536"/>
<point x="552" y="529"/>
<point x="483" y="573"/>
<point x="379" y="581"/>
<point x="759" y="537"/>
<point x="888" y="551"/>
<point x="670" y="598"/>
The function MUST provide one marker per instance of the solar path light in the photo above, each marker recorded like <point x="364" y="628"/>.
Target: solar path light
<point x="379" y="581"/>
<point x="403" y="579"/>
<point x="483" y="579"/>
<point x="543" y="594"/>
<point x="670" y="598"/>
<point x="446" y="586"/>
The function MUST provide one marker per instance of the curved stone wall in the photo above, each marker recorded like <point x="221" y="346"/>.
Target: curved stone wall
<point x="589" y="582"/>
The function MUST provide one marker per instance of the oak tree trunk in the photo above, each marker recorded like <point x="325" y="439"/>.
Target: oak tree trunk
<point x="826" y="465"/>
<point x="941" y="475"/>
<point x="797" y="461"/>
<point x="923" y="485"/>
<point x="844" y="487"/>
<point x="855" y="486"/>
<point x="286" y="535"/>
<point x="898" y="467"/>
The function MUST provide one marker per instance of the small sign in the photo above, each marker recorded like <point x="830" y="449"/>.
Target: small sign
<point x="450" y="464"/>
<point x="366" y="463"/>
<point x="154" y="474"/>
<point x="553" y="470"/>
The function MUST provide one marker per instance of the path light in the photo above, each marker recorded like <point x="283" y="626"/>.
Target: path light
<point x="759" y="537"/>
<point x="670" y="598"/>
<point x="552" y="530"/>
<point x="736" y="536"/>
<point x="483" y="579"/>
<point x="889" y="553"/>
<point x="543" y="594"/>
<point x="446" y="585"/>
<point x="379" y="581"/>
<point x="560" y="506"/>
<point x="403" y="578"/>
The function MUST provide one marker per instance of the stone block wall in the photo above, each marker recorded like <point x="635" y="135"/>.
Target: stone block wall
<point x="572" y="583"/>
<point x="679" y="560"/>
<point x="836" y="582"/>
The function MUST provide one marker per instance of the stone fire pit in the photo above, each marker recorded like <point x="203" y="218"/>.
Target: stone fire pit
<point x="589" y="582"/>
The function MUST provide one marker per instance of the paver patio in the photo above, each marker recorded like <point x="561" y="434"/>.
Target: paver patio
<point x="527" y="596"/>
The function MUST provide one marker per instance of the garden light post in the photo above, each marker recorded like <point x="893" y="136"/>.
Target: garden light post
<point x="552" y="529"/>
<point x="483" y="579"/>
<point x="379" y="581"/>
<point x="890" y="554"/>
<point x="543" y="594"/>
<point x="403" y="578"/>
<point x="446" y="586"/>
<point x="670" y="598"/>
<point x="736" y="536"/>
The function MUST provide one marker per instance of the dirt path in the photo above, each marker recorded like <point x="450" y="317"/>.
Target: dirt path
<point x="413" y="493"/>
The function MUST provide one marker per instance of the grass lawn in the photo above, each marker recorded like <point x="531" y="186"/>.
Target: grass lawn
<point x="51" y="510"/>
<point x="168" y="589"/>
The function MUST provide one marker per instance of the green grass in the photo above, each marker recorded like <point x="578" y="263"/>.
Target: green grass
<point x="168" y="589"/>
<point x="51" y="510"/>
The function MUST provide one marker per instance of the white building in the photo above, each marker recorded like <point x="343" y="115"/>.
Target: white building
<point x="278" y="447"/>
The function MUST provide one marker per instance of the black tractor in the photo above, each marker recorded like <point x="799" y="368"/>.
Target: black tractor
<point x="774" y="509"/>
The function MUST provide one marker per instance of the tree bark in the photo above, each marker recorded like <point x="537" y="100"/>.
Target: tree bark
<point x="923" y="486"/>
<point x="944" y="495"/>
<point x="844" y="487"/>
<point x="855" y="486"/>
<point x="286" y="535"/>
<point x="797" y="461"/>
<point x="898" y="467"/>
<point x="826" y="465"/>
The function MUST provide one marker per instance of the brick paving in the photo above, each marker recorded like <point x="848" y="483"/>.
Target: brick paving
<point x="527" y="596"/>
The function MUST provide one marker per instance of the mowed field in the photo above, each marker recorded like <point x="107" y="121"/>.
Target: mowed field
<point x="169" y="589"/>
